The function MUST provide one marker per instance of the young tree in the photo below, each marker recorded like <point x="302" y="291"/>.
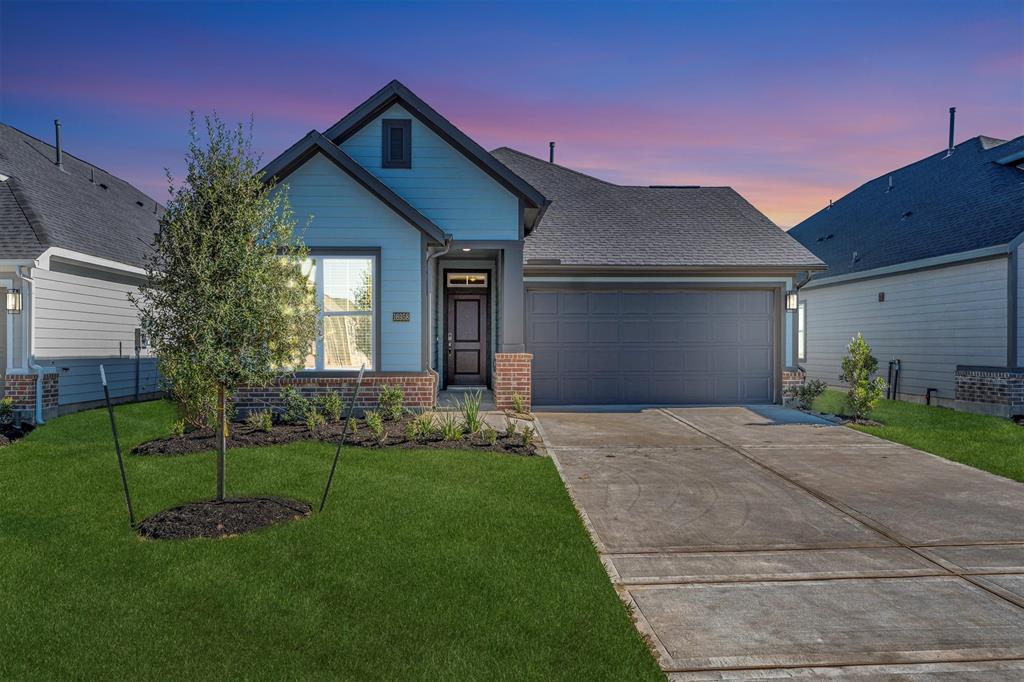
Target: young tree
<point x="859" y="365"/>
<point x="226" y="303"/>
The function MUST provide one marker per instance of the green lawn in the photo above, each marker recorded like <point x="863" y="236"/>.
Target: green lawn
<point x="989" y="443"/>
<point x="425" y="565"/>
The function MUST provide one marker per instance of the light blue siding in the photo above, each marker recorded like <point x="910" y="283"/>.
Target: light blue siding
<point x="442" y="184"/>
<point x="80" y="378"/>
<point x="347" y="215"/>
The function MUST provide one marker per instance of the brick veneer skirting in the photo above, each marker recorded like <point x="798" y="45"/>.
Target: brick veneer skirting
<point x="792" y="377"/>
<point x="512" y="375"/>
<point x="1003" y="386"/>
<point x="420" y="390"/>
<point x="22" y="390"/>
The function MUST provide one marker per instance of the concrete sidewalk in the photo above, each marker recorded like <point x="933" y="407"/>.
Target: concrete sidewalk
<point x="760" y="543"/>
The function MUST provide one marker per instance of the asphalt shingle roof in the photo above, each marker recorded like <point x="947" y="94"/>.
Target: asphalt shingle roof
<point x="82" y="208"/>
<point x="937" y="206"/>
<point x="594" y="222"/>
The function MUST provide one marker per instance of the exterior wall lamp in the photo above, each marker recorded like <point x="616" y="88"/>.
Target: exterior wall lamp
<point x="791" y="300"/>
<point x="14" y="301"/>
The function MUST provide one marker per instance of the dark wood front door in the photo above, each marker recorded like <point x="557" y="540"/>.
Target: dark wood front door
<point x="466" y="339"/>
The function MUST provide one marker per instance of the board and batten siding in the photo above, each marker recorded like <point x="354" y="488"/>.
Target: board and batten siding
<point x="931" y="320"/>
<point x="442" y="184"/>
<point x="344" y="214"/>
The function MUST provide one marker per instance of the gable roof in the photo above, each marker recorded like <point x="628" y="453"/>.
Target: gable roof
<point x="940" y="205"/>
<point x="395" y="92"/>
<point x="315" y="143"/>
<point x="81" y="208"/>
<point x="591" y="222"/>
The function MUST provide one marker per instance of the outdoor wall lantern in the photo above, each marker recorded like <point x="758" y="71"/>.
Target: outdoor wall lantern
<point x="14" y="301"/>
<point x="791" y="300"/>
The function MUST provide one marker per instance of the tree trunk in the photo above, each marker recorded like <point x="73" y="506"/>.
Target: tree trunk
<point x="222" y="441"/>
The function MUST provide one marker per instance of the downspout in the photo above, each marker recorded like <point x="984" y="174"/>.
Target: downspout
<point x="32" y="347"/>
<point x="432" y="307"/>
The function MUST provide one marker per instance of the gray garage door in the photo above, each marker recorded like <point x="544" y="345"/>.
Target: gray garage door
<point x="601" y="346"/>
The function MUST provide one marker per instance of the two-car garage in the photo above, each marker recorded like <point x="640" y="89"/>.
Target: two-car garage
<point x="606" y="344"/>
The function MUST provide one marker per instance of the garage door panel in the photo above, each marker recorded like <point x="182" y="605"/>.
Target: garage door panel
<point x="651" y="347"/>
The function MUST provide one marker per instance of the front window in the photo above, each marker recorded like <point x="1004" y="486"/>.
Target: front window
<point x="801" y="331"/>
<point x="346" y="292"/>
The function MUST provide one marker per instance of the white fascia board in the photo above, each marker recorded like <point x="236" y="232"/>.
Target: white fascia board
<point x="85" y="259"/>
<point x="910" y="266"/>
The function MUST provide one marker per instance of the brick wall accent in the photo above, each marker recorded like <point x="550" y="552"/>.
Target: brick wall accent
<point x="512" y="374"/>
<point x="22" y="389"/>
<point x="420" y="390"/>
<point x="792" y="377"/>
<point x="992" y="385"/>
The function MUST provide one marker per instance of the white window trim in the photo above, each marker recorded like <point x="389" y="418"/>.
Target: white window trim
<point x="319" y="269"/>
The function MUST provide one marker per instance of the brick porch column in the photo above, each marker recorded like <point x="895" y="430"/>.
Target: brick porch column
<point x="512" y="375"/>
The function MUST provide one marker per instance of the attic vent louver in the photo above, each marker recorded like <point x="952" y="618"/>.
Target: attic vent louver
<point x="906" y="215"/>
<point x="139" y="203"/>
<point x="103" y="186"/>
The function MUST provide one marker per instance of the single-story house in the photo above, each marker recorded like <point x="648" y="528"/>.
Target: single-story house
<point x="926" y="262"/>
<point x="441" y="265"/>
<point x="72" y="239"/>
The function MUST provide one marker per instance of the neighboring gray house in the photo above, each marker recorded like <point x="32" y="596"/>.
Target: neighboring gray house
<point x="926" y="262"/>
<point x="72" y="239"/>
<point x="504" y="271"/>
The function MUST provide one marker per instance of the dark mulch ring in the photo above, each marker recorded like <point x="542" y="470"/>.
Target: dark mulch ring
<point x="843" y="419"/>
<point x="221" y="519"/>
<point x="10" y="433"/>
<point x="241" y="435"/>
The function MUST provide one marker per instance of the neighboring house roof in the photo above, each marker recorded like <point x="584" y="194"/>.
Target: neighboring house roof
<point x="940" y="205"/>
<point x="81" y="208"/>
<point x="591" y="222"/>
<point x="315" y="143"/>
<point x="395" y="92"/>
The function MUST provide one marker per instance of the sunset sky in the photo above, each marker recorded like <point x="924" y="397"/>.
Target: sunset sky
<point x="791" y="103"/>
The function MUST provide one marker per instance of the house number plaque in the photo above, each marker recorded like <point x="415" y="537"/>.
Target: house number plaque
<point x="400" y="317"/>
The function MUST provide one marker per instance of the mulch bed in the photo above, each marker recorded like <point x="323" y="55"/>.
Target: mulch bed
<point x="241" y="435"/>
<point x="10" y="433"/>
<point x="221" y="519"/>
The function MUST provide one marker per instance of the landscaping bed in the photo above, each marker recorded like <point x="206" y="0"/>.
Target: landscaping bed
<point x="10" y="433"/>
<point x="221" y="518"/>
<point x="245" y="435"/>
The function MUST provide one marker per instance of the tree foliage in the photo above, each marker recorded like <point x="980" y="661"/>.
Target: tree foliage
<point x="859" y="367"/>
<point x="226" y="303"/>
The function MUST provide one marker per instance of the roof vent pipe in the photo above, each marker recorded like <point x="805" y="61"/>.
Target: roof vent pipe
<point x="952" y="120"/>
<point x="890" y="184"/>
<point x="60" y="149"/>
<point x="551" y="151"/>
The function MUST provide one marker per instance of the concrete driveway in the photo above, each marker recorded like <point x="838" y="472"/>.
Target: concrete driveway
<point x="761" y="543"/>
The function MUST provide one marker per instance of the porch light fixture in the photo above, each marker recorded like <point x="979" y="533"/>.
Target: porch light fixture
<point x="14" y="301"/>
<point x="791" y="300"/>
<point x="467" y="249"/>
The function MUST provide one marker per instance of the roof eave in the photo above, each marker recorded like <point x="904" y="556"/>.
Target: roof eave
<point x="315" y="143"/>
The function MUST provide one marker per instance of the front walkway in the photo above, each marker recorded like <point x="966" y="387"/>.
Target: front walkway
<point x="761" y="543"/>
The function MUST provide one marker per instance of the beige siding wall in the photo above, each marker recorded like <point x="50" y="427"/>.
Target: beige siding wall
<point x="932" y="320"/>
<point x="78" y="317"/>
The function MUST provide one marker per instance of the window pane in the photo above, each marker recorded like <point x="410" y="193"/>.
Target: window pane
<point x="348" y="284"/>
<point x="348" y="341"/>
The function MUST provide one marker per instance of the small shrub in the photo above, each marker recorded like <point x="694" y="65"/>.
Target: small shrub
<point x="178" y="428"/>
<point x="296" y="406"/>
<point x="6" y="410"/>
<point x="375" y="423"/>
<point x="526" y="437"/>
<point x="805" y="394"/>
<point x="411" y="431"/>
<point x="314" y="420"/>
<point x="392" y="401"/>
<point x="510" y="427"/>
<point x="329" y="405"/>
<point x="423" y="426"/>
<point x="859" y="365"/>
<point x="262" y="420"/>
<point x="518" y="404"/>
<point x="490" y="435"/>
<point x="449" y="426"/>
<point x="472" y="421"/>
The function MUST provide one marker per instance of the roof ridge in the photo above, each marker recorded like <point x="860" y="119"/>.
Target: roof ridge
<point x="559" y="166"/>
